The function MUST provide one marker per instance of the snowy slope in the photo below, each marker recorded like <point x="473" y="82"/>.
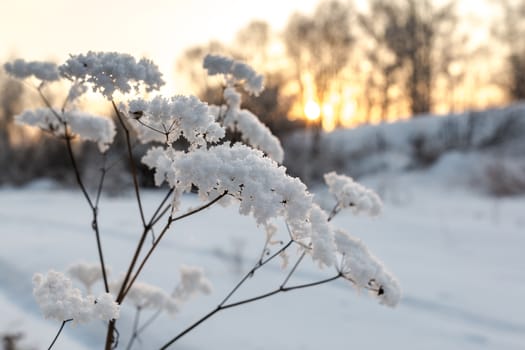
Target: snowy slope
<point x="457" y="254"/>
<point x="488" y="139"/>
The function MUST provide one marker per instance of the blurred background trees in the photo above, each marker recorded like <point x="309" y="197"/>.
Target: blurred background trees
<point x="342" y="65"/>
<point x="380" y="61"/>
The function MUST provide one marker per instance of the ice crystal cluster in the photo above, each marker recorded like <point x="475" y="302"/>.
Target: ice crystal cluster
<point x="59" y="300"/>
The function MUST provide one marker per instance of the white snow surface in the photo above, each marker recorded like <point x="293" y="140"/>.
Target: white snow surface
<point x="458" y="256"/>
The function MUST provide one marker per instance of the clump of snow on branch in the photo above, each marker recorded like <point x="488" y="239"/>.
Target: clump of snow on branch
<point x="192" y="281"/>
<point x="88" y="127"/>
<point x="112" y="71"/>
<point x="252" y="130"/>
<point x="350" y="194"/>
<point x="233" y="117"/>
<point x="365" y="270"/>
<point x="263" y="188"/>
<point x="235" y="72"/>
<point x="92" y="128"/>
<point x="87" y="274"/>
<point x="59" y="300"/>
<point x="165" y="120"/>
<point x="21" y="69"/>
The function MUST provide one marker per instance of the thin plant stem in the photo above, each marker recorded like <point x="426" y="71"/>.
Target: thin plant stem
<point x="149" y="321"/>
<point x="281" y="290"/>
<point x="137" y="330"/>
<point x="125" y="291"/>
<point x="131" y="162"/>
<point x="134" y="334"/>
<point x="150" y="127"/>
<point x="334" y="211"/>
<point x="58" y="333"/>
<point x="250" y="273"/>
<point x="161" y="214"/>
<point x="294" y="268"/>
<point x="103" y="172"/>
<point x="154" y="216"/>
<point x="76" y="169"/>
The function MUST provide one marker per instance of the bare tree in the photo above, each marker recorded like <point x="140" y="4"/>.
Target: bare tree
<point x="510" y="31"/>
<point x="412" y="43"/>
<point x="320" y="45"/>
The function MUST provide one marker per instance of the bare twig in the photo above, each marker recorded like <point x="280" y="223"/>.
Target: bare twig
<point x="125" y="291"/>
<point x="131" y="162"/>
<point x="58" y="333"/>
<point x="245" y="301"/>
<point x="76" y="169"/>
<point x="257" y="266"/>
<point x="293" y="268"/>
<point x="334" y="211"/>
<point x="134" y="334"/>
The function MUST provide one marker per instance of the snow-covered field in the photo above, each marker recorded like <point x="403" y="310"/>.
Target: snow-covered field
<point x="458" y="256"/>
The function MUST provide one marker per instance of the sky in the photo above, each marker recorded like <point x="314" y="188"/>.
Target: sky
<point x="158" y="29"/>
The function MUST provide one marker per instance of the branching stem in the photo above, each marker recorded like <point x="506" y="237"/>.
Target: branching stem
<point x="246" y="301"/>
<point x="58" y="333"/>
<point x="128" y="286"/>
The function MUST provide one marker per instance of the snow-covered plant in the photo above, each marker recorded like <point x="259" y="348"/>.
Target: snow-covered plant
<point x="86" y="126"/>
<point x="232" y="115"/>
<point x="245" y="174"/>
<point x="350" y="194"/>
<point x="57" y="299"/>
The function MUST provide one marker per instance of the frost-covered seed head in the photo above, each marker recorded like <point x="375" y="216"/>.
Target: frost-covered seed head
<point x="166" y="119"/>
<point x="235" y="72"/>
<point x="350" y="194"/>
<point x="263" y="188"/>
<point x="88" y="127"/>
<point x="192" y="281"/>
<point x="111" y="71"/>
<point x="21" y="69"/>
<point x="57" y="299"/>
<point x="147" y="296"/>
<point x="365" y="270"/>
